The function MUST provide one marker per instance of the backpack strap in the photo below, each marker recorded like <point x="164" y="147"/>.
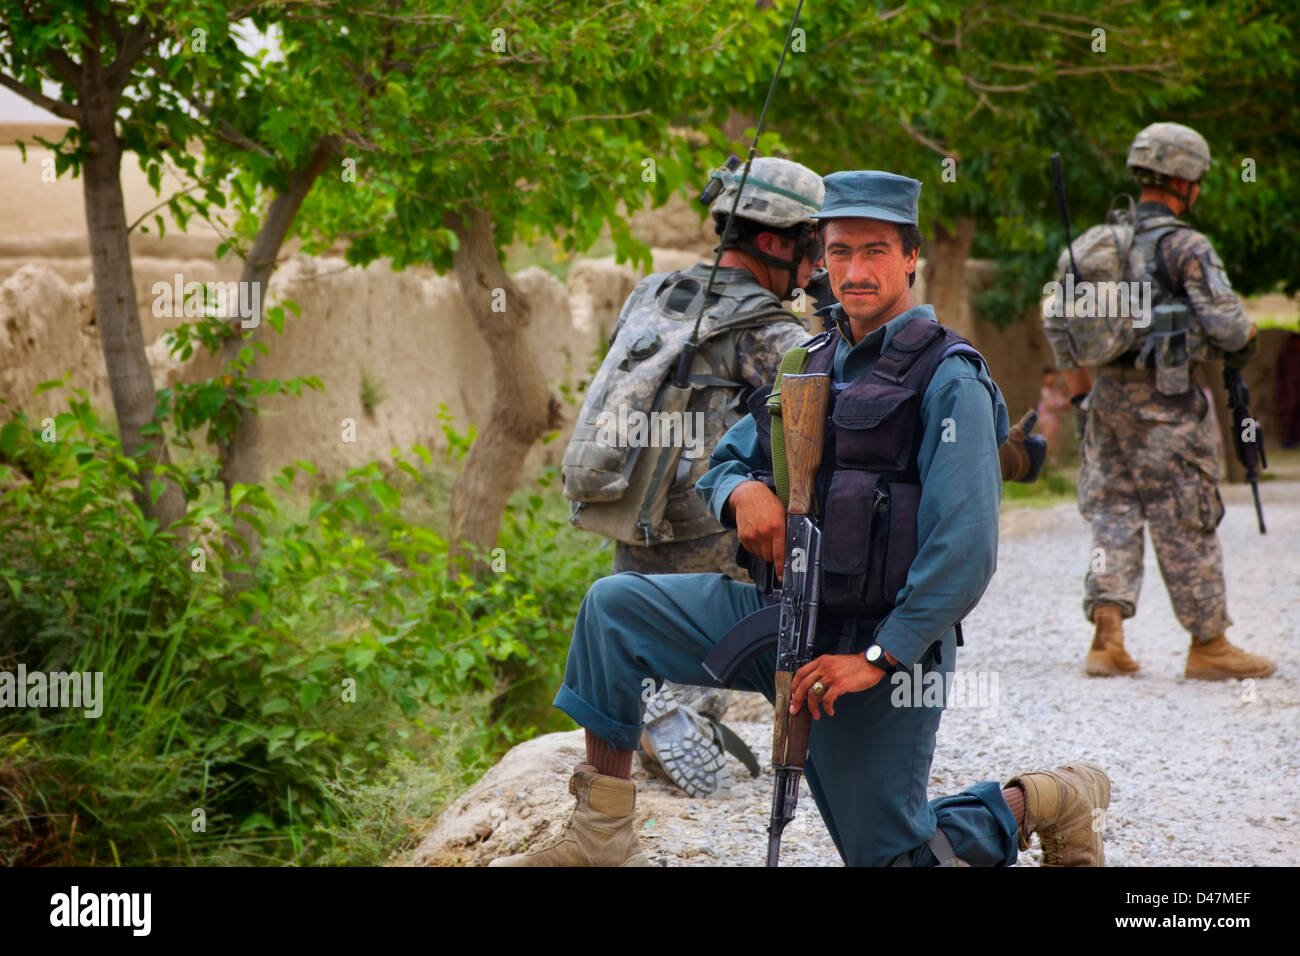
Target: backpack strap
<point x="1162" y="267"/>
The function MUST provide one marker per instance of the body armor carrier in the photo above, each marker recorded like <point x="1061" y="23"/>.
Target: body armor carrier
<point x="1162" y="344"/>
<point x="869" y="482"/>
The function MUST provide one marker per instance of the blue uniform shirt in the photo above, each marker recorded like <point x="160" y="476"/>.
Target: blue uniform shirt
<point x="961" y="487"/>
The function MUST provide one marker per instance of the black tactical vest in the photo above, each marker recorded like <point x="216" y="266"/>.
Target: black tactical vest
<point x="869" y="483"/>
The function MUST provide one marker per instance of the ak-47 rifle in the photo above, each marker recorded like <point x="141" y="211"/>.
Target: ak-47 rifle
<point x="1249" y="453"/>
<point x="792" y="623"/>
<point x="803" y="419"/>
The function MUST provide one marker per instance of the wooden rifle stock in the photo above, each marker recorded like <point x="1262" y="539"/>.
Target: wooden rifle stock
<point x="803" y="418"/>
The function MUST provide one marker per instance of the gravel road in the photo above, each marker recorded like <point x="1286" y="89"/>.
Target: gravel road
<point x="1203" y="773"/>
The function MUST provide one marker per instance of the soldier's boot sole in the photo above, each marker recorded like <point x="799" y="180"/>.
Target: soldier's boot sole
<point x="1107" y="657"/>
<point x="1218" y="659"/>
<point x="674" y="739"/>
<point x="1066" y="808"/>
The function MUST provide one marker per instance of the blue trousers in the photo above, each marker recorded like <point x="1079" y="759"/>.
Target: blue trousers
<point x="868" y="765"/>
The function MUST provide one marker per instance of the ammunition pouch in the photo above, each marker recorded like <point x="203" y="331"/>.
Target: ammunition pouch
<point x="869" y="541"/>
<point x="1165" y="348"/>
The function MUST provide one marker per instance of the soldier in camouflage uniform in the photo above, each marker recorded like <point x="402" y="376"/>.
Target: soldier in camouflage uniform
<point x="1151" y="458"/>
<point x="768" y="247"/>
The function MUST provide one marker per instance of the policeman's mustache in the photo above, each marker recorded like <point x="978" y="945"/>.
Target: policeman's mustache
<point x="860" y="287"/>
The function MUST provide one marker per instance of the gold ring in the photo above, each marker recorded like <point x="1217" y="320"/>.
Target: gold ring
<point x="819" y="688"/>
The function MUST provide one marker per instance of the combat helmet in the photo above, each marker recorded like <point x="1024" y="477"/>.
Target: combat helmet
<point x="1168" y="150"/>
<point x="780" y="194"/>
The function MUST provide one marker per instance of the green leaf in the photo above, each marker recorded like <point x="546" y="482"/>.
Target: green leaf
<point x="386" y="495"/>
<point x="256" y="821"/>
<point x="9" y="438"/>
<point x="308" y="694"/>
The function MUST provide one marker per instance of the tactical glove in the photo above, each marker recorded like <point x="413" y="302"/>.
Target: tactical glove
<point x="1022" y="454"/>
<point x="1240" y="358"/>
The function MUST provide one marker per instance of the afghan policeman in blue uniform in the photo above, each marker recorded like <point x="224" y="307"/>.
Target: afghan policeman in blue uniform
<point x="933" y="450"/>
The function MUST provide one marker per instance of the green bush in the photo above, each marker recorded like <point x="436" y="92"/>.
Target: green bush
<point x="275" y="707"/>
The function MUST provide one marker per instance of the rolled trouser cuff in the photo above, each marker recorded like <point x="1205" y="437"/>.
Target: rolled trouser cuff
<point x="618" y="735"/>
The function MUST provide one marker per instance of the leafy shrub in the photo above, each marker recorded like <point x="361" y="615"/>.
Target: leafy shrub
<point x="272" y="708"/>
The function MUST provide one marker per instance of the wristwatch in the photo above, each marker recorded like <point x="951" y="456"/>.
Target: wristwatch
<point x="875" y="655"/>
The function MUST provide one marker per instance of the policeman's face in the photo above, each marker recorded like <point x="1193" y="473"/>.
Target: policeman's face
<point x="867" y="268"/>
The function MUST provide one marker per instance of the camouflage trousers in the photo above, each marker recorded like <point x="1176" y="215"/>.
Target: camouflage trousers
<point x="707" y="555"/>
<point x="1153" y="459"/>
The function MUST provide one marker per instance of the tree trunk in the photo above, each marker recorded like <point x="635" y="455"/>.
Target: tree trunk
<point x="523" y="409"/>
<point x="241" y="459"/>
<point x="945" y="276"/>
<point x="130" y="379"/>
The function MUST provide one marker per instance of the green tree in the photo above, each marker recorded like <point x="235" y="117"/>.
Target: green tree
<point x="536" y="120"/>
<point x="995" y="88"/>
<point x="95" y="53"/>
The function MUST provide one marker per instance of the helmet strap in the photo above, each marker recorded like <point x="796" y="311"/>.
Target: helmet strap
<point x="791" y="266"/>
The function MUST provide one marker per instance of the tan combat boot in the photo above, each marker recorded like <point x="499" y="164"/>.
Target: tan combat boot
<point x="1216" y="659"/>
<point x="599" y="833"/>
<point x="1066" y="808"/>
<point x="1107" y="656"/>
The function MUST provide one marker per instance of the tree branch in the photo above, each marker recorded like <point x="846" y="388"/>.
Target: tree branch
<point x="145" y="215"/>
<point x="137" y="40"/>
<point x="227" y="132"/>
<point x="605" y="116"/>
<point x="58" y="108"/>
<point x="65" y="66"/>
<point x="926" y="141"/>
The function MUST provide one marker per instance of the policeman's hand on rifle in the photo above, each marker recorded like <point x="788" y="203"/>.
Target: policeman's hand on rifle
<point x="760" y="522"/>
<point x="838" y="674"/>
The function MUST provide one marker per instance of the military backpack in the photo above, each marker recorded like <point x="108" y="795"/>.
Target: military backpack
<point x="633" y="431"/>
<point x="1120" y="297"/>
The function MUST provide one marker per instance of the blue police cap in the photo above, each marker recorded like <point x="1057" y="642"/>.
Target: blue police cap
<point x="870" y="194"/>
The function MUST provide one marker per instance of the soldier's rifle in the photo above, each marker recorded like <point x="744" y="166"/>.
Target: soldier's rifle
<point x="1249" y="453"/>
